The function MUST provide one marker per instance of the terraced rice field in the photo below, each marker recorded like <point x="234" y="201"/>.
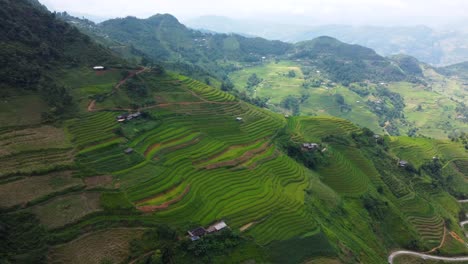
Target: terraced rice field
<point x="92" y="128"/>
<point x="67" y="209"/>
<point x="422" y="216"/>
<point x="34" y="187"/>
<point x="419" y="150"/>
<point x="315" y="128"/>
<point x="110" y="245"/>
<point x="349" y="173"/>
<point x="206" y="165"/>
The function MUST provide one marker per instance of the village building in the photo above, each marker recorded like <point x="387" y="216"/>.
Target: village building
<point x="403" y="163"/>
<point x="239" y="118"/>
<point x="99" y="68"/>
<point x="310" y="146"/>
<point x="217" y="227"/>
<point x="128" y="151"/>
<point x="125" y="117"/>
<point x="196" y="233"/>
<point x="121" y="118"/>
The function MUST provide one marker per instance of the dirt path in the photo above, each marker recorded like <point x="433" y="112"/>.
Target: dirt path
<point x="247" y="226"/>
<point x="92" y="104"/>
<point x="392" y="256"/>
<point x="441" y="242"/>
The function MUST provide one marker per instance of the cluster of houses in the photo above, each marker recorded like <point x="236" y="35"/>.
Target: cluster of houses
<point x="127" y="117"/>
<point x="198" y="232"/>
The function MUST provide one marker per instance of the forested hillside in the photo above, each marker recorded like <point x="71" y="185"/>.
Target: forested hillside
<point x="165" y="40"/>
<point x="35" y="46"/>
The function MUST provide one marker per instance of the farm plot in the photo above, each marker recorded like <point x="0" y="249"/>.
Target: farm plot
<point x="17" y="140"/>
<point x="345" y="174"/>
<point x="22" y="110"/>
<point x="64" y="210"/>
<point x="315" y="128"/>
<point x="109" y="158"/>
<point x="92" y="128"/>
<point x="35" y="187"/>
<point x="95" y="248"/>
<point x="103" y="181"/>
<point x="422" y="216"/>
<point x="37" y="161"/>
<point x="177" y="168"/>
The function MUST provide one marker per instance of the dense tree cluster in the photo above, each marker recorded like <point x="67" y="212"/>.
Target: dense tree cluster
<point x="35" y="45"/>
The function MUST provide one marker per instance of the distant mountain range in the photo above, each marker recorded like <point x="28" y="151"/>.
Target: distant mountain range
<point x="437" y="47"/>
<point x="165" y="40"/>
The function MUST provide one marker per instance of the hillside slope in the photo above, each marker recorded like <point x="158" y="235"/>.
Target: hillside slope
<point x="164" y="39"/>
<point x="148" y="155"/>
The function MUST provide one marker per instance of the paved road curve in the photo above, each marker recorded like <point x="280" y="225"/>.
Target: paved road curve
<point x="426" y="256"/>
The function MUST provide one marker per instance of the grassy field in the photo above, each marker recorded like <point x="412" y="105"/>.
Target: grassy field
<point x="276" y="83"/>
<point x="437" y="115"/>
<point x="21" y="110"/>
<point x="109" y="245"/>
<point x="18" y="140"/>
<point x="64" y="210"/>
<point x="30" y="188"/>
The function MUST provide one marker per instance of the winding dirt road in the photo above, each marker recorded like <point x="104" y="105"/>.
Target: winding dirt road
<point x="92" y="104"/>
<point x="431" y="257"/>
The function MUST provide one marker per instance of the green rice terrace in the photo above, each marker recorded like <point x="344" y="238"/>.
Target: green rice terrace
<point x="186" y="155"/>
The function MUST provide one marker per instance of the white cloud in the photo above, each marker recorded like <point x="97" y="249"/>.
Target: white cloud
<point x="325" y="11"/>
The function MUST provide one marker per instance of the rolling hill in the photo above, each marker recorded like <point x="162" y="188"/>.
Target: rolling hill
<point x="165" y="40"/>
<point x="435" y="46"/>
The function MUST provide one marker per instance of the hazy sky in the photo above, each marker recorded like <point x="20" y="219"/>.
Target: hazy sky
<point x="431" y="12"/>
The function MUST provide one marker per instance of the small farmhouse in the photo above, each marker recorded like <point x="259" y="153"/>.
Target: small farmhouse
<point x="128" y="117"/>
<point x="128" y="151"/>
<point x="196" y="233"/>
<point x="239" y="118"/>
<point x="403" y="163"/>
<point x="99" y="68"/>
<point x="121" y="118"/>
<point x="217" y="227"/>
<point x="310" y="146"/>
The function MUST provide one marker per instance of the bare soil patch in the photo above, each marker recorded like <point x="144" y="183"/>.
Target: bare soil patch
<point x="104" y="181"/>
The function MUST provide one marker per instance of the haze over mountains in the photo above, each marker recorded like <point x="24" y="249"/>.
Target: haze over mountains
<point x="439" y="47"/>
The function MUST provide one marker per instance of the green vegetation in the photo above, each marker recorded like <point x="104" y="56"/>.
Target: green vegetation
<point x="86" y="188"/>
